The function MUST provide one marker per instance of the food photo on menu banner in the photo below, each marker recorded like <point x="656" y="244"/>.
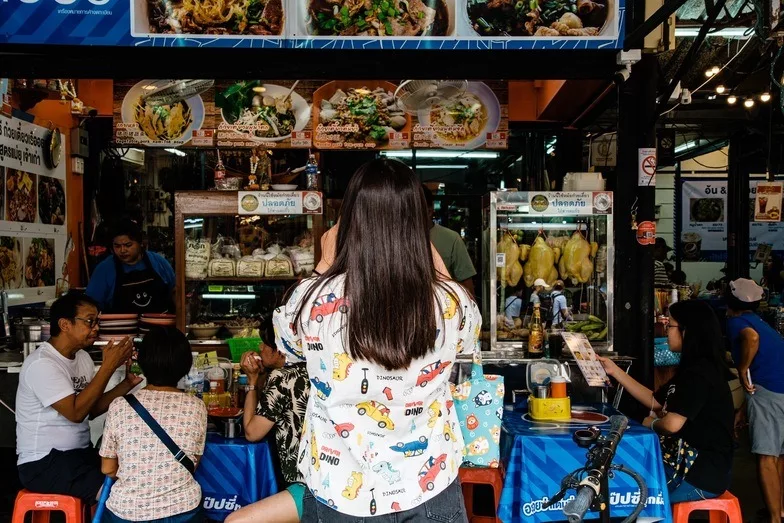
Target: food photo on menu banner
<point x="375" y="19"/>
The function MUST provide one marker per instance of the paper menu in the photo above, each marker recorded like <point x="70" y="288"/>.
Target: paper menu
<point x="587" y="362"/>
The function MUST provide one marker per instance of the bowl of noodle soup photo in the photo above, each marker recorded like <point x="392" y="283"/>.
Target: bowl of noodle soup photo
<point x="463" y="121"/>
<point x="207" y="18"/>
<point x="160" y="125"/>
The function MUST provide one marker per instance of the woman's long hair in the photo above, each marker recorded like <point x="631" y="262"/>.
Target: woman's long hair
<point x="703" y="342"/>
<point x="383" y="249"/>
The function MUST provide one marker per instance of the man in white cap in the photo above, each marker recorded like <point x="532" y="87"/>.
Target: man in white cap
<point x="758" y="352"/>
<point x="514" y="304"/>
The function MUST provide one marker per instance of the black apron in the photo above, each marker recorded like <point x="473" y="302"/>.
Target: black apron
<point x="140" y="292"/>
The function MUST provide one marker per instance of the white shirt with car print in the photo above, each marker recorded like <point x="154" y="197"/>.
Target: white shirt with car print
<point x="374" y="441"/>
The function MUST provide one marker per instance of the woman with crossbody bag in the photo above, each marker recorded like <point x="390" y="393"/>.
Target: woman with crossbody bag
<point x="153" y="440"/>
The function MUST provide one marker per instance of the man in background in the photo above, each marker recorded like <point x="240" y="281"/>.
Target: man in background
<point x="452" y="249"/>
<point x="660" y="250"/>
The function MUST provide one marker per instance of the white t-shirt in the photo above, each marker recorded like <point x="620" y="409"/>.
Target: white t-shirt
<point x="370" y="433"/>
<point x="47" y="377"/>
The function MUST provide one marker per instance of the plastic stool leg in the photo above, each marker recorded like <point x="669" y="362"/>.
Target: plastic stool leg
<point x="42" y="516"/>
<point x="680" y="513"/>
<point x="468" y="498"/>
<point x="717" y="516"/>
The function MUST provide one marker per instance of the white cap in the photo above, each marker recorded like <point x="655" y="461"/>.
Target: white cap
<point x="746" y="290"/>
<point x="541" y="283"/>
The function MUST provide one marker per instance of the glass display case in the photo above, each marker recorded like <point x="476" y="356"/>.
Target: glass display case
<point x="556" y="237"/>
<point x="237" y="253"/>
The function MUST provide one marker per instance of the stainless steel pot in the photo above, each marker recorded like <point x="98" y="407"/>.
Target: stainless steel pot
<point x="28" y="347"/>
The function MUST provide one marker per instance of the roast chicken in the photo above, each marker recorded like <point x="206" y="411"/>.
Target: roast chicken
<point x="577" y="260"/>
<point x="511" y="272"/>
<point x="540" y="263"/>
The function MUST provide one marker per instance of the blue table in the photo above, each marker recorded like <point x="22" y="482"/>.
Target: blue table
<point x="538" y="455"/>
<point x="234" y="473"/>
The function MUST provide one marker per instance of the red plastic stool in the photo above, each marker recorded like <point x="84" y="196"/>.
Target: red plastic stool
<point x="41" y="505"/>
<point x="470" y="476"/>
<point x="719" y="509"/>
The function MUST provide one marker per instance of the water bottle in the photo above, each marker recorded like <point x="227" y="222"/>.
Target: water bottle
<point x="311" y="173"/>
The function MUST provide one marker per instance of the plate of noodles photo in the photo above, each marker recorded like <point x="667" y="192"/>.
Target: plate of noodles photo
<point x="164" y="125"/>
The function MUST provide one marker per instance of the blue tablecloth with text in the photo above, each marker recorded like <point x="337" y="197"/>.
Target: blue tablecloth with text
<point x="234" y="473"/>
<point x="538" y="455"/>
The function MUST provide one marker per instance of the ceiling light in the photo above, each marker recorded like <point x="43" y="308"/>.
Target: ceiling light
<point x="765" y="97"/>
<point x="711" y="97"/>
<point x="715" y="70"/>
<point x="720" y="89"/>
<point x="729" y="32"/>
<point x="709" y="73"/>
<point x="732" y="99"/>
<point x="487" y="155"/>
<point x="686" y="146"/>
<point x="175" y="151"/>
<point x="748" y="102"/>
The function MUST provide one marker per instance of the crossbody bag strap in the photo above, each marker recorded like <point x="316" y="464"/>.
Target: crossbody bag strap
<point x="177" y="452"/>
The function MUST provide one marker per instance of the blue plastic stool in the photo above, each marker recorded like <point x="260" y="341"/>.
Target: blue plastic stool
<point x="105" y="490"/>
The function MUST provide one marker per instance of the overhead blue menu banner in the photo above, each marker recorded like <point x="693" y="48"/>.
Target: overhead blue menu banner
<point x="318" y="24"/>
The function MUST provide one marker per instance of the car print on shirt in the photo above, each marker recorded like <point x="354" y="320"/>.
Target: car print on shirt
<point x="429" y="372"/>
<point x="377" y="412"/>
<point x="430" y="470"/>
<point x="448" y="434"/>
<point x="290" y="349"/>
<point x="327" y="502"/>
<point x="353" y="485"/>
<point x="341" y="365"/>
<point x="314" y="457"/>
<point x="412" y="448"/>
<point x="323" y="390"/>
<point x="451" y="307"/>
<point x="435" y="413"/>
<point x="328" y="304"/>
<point x="343" y="429"/>
<point x="385" y="470"/>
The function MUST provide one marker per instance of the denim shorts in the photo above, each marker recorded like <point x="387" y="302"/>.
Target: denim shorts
<point x="446" y="507"/>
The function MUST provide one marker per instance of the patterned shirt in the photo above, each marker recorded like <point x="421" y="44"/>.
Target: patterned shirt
<point x="376" y="441"/>
<point x="150" y="483"/>
<point x="285" y="401"/>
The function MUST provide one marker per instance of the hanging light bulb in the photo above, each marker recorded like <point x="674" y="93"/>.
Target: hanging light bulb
<point x="732" y="99"/>
<point x="709" y="73"/>
<point x="765" y="97"/>
<point x="720" y="89"/>
<point x="715" y="70"/>
<point x="748" y="103"/>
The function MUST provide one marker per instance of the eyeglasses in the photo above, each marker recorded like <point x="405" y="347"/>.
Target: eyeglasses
<point x="92" y="322"/>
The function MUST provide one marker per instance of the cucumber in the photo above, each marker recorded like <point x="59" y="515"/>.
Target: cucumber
<point x="592" y="327"/>
<point x="594" y="319"/>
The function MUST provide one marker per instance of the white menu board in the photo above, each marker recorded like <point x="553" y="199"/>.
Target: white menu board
<point x="588" y="363"/>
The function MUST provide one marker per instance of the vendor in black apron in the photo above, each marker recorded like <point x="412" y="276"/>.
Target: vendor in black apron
<point x="132" y="280"/>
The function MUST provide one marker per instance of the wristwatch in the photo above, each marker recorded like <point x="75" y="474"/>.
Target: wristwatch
<point x="249" y="388"/>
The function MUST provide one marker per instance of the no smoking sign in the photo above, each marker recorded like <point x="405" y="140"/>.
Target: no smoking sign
<point x="646" y="167"/>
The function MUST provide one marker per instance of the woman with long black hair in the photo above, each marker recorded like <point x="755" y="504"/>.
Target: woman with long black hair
<point x="380" y="331"/>
<point x="693" y="412"/>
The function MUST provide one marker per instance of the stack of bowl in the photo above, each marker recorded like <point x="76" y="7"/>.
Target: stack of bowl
<point x="156" y="320"/>
<point x="118" y="326"/>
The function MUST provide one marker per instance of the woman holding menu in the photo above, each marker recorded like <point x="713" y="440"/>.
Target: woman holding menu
<point x="694" y="410"/>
